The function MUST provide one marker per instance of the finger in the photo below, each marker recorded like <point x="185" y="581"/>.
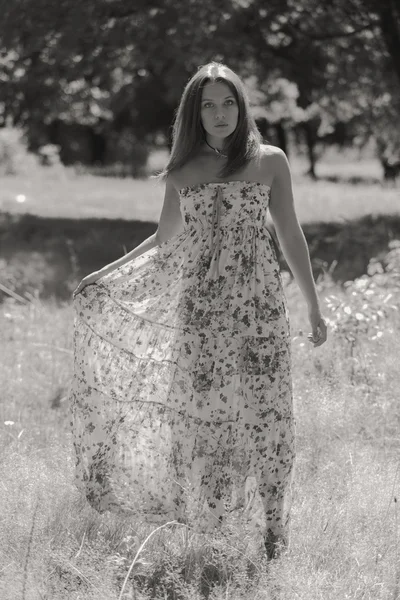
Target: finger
<point x="316" y="329"/>
<point x="321" y="338"/>
<point x="317" y="339"/>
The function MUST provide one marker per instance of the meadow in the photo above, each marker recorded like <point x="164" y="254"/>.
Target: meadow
<point x="345" y="518"/>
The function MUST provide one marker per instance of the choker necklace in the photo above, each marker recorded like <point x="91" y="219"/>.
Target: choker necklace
<point x="218" y="152"/>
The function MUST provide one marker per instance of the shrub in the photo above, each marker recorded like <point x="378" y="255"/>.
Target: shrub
<point x="49" y="155"/>
<point x="369" y="300"/>
<point x="14" y="156"/>
<point x="365" y="312"/>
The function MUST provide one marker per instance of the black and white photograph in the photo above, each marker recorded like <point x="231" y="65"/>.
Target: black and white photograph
<point x="199" y="300"/>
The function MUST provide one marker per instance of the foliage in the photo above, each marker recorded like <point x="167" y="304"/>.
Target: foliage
<point x="92" y="63"/>
<point x="275" y="99"/>
<point x="26" y="277"/>
<point x="128" y="150"/>
<point x="366" y="313"/>
<point x="14" y="156"/>
<point x="369" y="300"/>
<point x="49" y="154"/>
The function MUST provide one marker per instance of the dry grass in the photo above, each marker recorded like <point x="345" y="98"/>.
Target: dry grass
<point x="345" y="521"/>
<point x="345" y="536"/>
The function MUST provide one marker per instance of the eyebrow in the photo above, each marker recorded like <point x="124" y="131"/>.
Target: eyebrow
<point x="208" y="99"/>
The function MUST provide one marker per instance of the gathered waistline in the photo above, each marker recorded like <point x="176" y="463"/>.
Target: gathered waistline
<point x="200" y="226"/>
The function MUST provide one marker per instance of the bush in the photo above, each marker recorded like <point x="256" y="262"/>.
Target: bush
<point x="14" y="156"/>
<point x="49" y="155"/>
<point x="124" y="149"/>
<point x="368" y="300"/>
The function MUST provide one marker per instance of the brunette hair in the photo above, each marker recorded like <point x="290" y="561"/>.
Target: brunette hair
<point x="188" y="133"/>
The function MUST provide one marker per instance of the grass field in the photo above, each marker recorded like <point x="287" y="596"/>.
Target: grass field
<point x="56" y="227"/>
<point x="56" y="194"/>
<point x="345" y="535"/>
<point x="345" y="517"/>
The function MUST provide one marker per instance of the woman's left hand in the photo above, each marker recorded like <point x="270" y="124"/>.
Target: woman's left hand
<point x="318" y="326"/>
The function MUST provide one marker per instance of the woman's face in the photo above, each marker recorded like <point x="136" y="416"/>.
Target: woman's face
<point x="219" y="110"/>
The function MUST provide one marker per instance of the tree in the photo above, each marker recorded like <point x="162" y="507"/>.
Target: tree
<point x="335" y="53"/>
<point x="123" y="65"/>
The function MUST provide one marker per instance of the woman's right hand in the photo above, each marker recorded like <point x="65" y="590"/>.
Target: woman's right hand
<point x="91" y="278"/>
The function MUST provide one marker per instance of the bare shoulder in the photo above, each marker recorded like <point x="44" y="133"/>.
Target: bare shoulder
<point x="271" y="155"/>
<point x="268" y="150"/>
<point x="275" y="162"/>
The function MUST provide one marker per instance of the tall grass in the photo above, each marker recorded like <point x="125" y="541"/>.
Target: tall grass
<point x="345" y="521"/>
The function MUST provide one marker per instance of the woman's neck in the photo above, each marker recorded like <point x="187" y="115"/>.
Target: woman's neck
<point x="214" y="142"/>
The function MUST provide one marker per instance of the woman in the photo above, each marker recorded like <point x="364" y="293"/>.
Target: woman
<point x="182" y="396"/>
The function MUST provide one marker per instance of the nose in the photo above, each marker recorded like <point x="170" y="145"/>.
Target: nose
<point x="219" y="115"/>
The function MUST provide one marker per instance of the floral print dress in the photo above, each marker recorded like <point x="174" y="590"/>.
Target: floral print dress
<point x="181" y="396"/>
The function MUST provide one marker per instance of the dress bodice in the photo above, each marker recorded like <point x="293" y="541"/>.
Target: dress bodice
<point x="236" y="202"/>
<point x="216" y="207"/>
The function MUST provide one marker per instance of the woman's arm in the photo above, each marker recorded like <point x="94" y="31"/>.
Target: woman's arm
<point x="291" y="237"/>
<point x="170" y="223"/>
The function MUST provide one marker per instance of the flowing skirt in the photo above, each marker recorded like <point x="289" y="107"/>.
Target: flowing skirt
<point x="176" y="416"/>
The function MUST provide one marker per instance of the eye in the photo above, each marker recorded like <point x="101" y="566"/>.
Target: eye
<point x="207" y="104"/>
<point x="230" y="102"/>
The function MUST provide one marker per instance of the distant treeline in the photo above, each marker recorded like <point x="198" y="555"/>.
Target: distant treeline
<point x="103" y="79"/>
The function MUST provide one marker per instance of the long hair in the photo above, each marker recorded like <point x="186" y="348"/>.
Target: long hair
<point x="188" y="133"/>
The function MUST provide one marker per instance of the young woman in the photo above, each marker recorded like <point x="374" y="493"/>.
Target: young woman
<point x="182" y="396"/>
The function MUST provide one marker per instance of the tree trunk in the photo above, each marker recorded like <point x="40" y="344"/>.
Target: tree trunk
<point x="389" y="17"/>
<point x="311" y="138"/>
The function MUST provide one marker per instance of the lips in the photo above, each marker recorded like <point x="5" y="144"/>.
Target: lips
<point x="222" y="125"/>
